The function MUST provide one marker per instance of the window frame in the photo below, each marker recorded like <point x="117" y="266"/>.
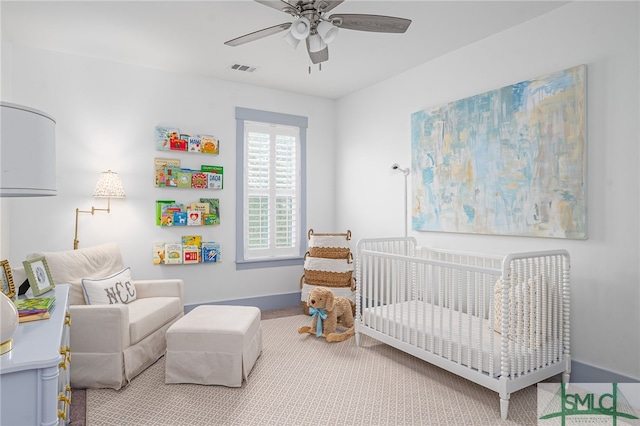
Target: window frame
<point x="268" y="117"/>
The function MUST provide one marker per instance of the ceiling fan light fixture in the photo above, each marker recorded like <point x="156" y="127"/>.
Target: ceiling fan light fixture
<point x="300" y="28"/>
<point x="327" y="31"/>
<point x="289" y="38"/>
<point x="316" y="44"/>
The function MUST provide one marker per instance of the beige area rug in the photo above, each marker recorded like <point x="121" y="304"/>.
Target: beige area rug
<point x="301" y="379"/>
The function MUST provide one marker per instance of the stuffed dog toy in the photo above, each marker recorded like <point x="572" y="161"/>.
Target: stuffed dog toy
<point x="327" y="311"/>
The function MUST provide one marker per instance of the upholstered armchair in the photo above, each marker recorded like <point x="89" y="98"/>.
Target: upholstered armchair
<point x="113" y="342"/>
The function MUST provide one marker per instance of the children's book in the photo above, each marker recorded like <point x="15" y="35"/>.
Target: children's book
<point x="34" y="317"/>
<point x="171" y="176"/>
<point x="214" y="210"/>
<point x="173" y="253"/>
<point x="199" y="180"/>
<point x="201" y="207"/>
<point x="164" y="135"/>
<point x="194" y="144"/>
<point x="180" y="219"/>
<point x="194" y="218"/>
<point x="190" y="254"/>
<point x="161" y="165"/>
<point x="184" y="178"/>
<point x="31" y="312"/>
<point x="172" y="208"/>
<point x="192" y="240"/>
<point x="158" y="253"/>
<point x="214" y="176"/>
<point x="209" y="144"/>
<point x="159" y="209"/>
<point x="212" y="169"/>
<point x="178" y="144"/>
<point x="166" y="219"/>
<point x="211" y="252"/>
<point x="214" y="181"/>
<point x="210" y="219"/>
<point x="34" y="304"/>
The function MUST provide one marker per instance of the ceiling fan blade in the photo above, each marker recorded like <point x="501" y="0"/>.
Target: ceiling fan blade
<point x="374" y="23"/>
<point x="281" y="5"/>
<point x="326" y="5"/>
<point x="256" y="35"/>
<point x="320" y="56"/>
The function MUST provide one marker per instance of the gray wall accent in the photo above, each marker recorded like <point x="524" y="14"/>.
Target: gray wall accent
<point x="585" y="373"/>
<point x="274" y="301"/>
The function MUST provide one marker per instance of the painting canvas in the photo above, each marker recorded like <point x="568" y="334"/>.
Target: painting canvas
<point x="511" y="161"/>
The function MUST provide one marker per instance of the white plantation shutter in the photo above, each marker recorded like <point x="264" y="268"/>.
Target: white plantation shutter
<point x="272" y="190"/>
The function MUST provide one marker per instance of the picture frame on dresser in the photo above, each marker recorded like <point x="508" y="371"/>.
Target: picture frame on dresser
<point x="8" y="288"/>
<point x="38" y="275"/>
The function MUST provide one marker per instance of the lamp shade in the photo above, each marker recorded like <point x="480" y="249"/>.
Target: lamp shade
<point x="300" y="28"/>
<point x="327" y="31"/>
<point x="109" y="186"/>
<point x="315" y="43"/>
<point x="27" y="152"/>
<point x="8" y="323"/>
<point x="289" y="38"/>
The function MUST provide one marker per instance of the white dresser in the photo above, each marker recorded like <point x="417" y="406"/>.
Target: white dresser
<point x="34" y="380"/>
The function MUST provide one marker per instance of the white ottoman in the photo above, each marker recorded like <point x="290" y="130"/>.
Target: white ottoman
<point x="213" y="345"/>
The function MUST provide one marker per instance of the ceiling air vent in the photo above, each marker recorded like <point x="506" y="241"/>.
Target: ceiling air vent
<point x="245" y="68"/>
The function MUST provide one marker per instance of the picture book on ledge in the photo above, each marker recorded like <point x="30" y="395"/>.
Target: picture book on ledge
<point x="170" y="139"/>
<point x="169" y="174"/>
<point x="190" y="250"/>
<point x="205" y="212"/>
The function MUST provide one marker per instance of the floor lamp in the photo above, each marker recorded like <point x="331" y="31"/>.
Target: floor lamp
<point x="405" y="172"/>
<point x="109" y="186"/>
<point x="28" y="169"/>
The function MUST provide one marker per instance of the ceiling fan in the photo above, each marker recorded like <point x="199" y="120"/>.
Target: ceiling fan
<point x="311" y="24"/>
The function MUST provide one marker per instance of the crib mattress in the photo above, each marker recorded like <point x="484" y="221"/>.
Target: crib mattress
<point x="465" y="339"/>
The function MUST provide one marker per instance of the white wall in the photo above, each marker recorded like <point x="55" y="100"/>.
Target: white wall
<point x="106" y="114"/>
<point x="374" y="132"/>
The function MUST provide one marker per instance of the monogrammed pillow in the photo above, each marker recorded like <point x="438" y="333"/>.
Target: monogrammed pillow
<point x="115" y="289"/>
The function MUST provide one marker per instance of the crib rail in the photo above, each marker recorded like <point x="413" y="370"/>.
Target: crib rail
<point x="535" y="302"/>
<point x="445" y="303"/>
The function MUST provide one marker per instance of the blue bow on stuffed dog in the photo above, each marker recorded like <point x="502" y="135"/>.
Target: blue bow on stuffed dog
<point x="321" y="316"/>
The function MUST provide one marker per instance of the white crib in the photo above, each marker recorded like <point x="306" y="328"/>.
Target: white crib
<point x="501" y="322"/>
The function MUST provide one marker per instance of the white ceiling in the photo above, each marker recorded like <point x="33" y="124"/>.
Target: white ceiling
<point x="188" y="37"/>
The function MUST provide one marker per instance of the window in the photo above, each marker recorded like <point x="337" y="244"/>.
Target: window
<point x="271" y="198"/>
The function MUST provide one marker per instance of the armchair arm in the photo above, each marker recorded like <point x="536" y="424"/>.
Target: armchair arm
<point x="160" y="288"/>
<point x="99" y="328"/>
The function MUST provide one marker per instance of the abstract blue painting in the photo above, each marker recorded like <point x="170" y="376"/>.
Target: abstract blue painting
<point x="511" y="161"/>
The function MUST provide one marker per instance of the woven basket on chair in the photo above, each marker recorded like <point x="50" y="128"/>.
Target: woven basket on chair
<point x="329" y="246"/>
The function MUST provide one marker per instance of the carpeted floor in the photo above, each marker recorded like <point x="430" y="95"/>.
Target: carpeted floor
<point x="78" y="410"/>
<point x="301" y="379"/>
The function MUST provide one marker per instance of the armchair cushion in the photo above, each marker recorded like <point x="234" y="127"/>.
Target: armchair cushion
<point x="112" y="290"/>
<point x="145" y="315"/>
<point x="73" y="265"/>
